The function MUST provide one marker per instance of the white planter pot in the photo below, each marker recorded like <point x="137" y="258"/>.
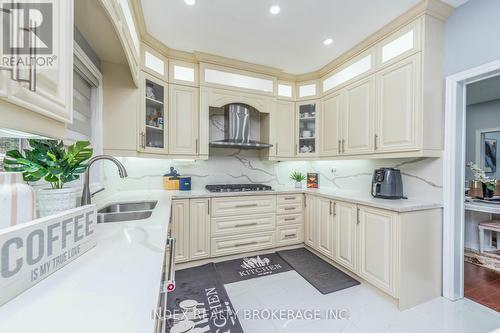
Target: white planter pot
<point x="17" y="200"/>
<point x="298" y="185"/>
<point x="52" y="201"/>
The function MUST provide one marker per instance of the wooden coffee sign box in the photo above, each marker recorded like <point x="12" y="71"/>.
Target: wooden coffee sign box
<point x="32" y="251"/>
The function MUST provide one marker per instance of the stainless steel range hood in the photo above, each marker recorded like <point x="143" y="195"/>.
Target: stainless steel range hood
<point x="237" y="129"/>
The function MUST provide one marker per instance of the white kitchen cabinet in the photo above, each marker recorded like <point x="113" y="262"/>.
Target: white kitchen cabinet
<point x="377" y="247"/>
<point x="307" y="128"/>
<point x="329" y="118"/>
<point x="242" y="243"/>
<point x="53" y="96"/>
<point x="358" y="117"/>
<point x="183" y="120"/>
<point x="180" y="229"/>
<point x="398" y="106"/>
<point x="284" y="128"/>
<point x="345" y="234"/>
<point x="324" y="223"/>
<point x="153" y="135"/>
<point x="310" y="235"/>
<point x="199" y="229"/>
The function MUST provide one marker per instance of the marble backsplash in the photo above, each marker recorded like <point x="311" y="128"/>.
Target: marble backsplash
<point x="422" y="177"/>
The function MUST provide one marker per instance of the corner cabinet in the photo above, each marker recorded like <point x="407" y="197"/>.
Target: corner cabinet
<point x="306" y="128"/>
<point x="153" y="136"/>
<point x="53" y="96"/>
<point x="183" y="120"/>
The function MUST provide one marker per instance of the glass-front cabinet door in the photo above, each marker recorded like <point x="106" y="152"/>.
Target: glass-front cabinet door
<point x="306" y="128"/>
<point x="153" y="118"/>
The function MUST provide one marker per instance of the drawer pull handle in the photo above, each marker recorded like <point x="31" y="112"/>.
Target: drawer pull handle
<point x="289" y="235"/>
<point x="289" y="198"/>
<point x="246" y="206"/>
<point x="245" y="244"/>
<point x="246" y="224"/>
<point x="290" y="208"/>
<point x="290" y="219"/>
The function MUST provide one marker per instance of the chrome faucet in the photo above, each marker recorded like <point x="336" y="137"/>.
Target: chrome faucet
<point x="86" y="196"/>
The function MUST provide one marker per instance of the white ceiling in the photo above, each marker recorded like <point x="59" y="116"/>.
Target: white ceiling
<point x="291" y="41"/>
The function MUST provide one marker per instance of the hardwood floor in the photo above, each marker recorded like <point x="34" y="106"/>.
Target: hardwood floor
<point x="482" y="285"/>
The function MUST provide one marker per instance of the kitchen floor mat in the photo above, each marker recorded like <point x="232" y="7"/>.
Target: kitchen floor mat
<point x="200" y="303"/>
<point x="316" y="271"/>
<point x="251" y="267"/>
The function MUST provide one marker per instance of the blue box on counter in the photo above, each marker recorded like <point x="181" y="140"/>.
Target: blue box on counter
<point x="185" y="183"/>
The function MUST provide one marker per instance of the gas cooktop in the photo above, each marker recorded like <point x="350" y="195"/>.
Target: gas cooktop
<point x="238" y="188"/>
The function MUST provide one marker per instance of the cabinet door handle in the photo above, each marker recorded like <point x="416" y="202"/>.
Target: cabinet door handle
<point x="375" y="141"/>
<point x="276" y="149"/>
<point x="357" y="216"/>
<point x="143" y="140"/>
<point x="334" y="209"/>
<point x="290" y="219"/>
<point x="340" y="146"/>
<point x="208" y="207"/>
<point x="289" y="198"/>
<point x="330" y="208"/>
<point x="245" y="224"/>
<point x="245" y="244"/>
<point x="343" y="145"/>
<point x="290" y="208"/>
<point x="246" y="206"/>
<point x="289" y="235"/>
<point x="196" y="146"/>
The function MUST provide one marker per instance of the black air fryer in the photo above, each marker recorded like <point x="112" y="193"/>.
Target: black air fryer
<point x="387" y="184"/>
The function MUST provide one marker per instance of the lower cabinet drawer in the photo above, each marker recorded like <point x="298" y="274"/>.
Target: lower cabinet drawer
<point x="242" y="243"/>
<point x="291" y="208"/>
<point x="285" y="199"/>
<point x="243" y="205"/>
<point x="290" y="234"/>
<point x="289" y="219"/>
<point x="223" y="226"/>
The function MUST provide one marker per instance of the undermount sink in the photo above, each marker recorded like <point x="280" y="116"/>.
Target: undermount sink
<point x="127" y="211"/>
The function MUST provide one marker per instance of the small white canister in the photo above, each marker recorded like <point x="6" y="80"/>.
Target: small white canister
<point x="53" y="201"/>
<point x="17" y="200"/>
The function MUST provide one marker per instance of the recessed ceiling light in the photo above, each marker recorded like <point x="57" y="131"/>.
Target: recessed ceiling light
<point x="328" y="41"/>
<point x="190" y="2"/>
<point x="274" y="10"/>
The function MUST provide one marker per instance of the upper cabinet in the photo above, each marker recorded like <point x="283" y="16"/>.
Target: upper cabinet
<point x="329" y="120"/>
<point x="50" y="87"/>
<point x="306" y="142"/>
<point x="284" y="115"/>
<point x="153" y="135"/>
<point x="184" y="73"/>
<point x="183" y="120"/>
<point x="398" y="106"/>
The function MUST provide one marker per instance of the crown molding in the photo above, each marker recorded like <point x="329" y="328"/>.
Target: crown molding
<point x="434" y="8"/>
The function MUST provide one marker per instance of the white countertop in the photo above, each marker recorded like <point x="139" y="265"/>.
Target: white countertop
<point x="362" y="198"/>
<point x="112" y="288"/>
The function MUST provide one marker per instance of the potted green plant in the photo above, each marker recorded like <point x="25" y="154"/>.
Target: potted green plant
<point x="298" y="178"/>
<point x="480" y="175"/>
<point x="57" y="165"/>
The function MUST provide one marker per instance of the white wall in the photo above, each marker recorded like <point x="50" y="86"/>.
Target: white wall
<point x="471" y="35"/>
